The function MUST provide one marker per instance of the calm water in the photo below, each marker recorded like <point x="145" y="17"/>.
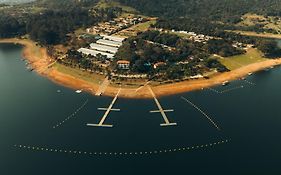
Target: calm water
<point x="31" y="105"/>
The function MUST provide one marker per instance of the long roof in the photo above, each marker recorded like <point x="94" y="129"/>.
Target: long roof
<point x="103" y="48"/>
<point x="113" y="38"/>
<point x="109" y="43"/>
<point x="95" y="53"/>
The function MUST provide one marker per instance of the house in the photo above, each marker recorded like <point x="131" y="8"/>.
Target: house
<point x="123" y="64"/>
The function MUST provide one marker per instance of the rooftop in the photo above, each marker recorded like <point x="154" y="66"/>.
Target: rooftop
<point x="103" y="48"/>
<point x="109" y="43"/>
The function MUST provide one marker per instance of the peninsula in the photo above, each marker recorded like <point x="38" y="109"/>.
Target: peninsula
<point x="112" y="44"/>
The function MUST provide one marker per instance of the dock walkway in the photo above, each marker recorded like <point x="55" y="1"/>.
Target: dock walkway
<point x="108" y="110"/>
<point x="161" y="110"/>
<point x="103" y="87"/>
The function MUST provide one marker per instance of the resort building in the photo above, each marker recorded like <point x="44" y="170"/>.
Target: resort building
<point x="109" y="43"/>
<point x="113" y="38"/>
<point x="95" y="53"/>
<point x="107" y="46"/>
<point x="103" y="48"/>
<point x="123" y="64"/>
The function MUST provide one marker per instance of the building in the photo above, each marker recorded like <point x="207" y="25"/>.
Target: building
<point x="113" y="38"/>
<point x="123" y="64"/>
<point x="95" y="53"/>
<point x="107" y="46"/>
<point x="104" y="48"/>
<point x="109" y="43"/>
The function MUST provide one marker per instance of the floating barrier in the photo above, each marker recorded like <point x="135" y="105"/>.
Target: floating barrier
<point x="250" y="83"/>
<point x="72" y="115"/>
<point x="225" y="91"/>
<point x="139" y="153"/>
<point x="231" y="89"/>
<point x="202" y="112"/>
<point x="214" y="90"/>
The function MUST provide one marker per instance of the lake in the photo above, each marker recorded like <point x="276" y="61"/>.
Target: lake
<point x="43" y="128"/>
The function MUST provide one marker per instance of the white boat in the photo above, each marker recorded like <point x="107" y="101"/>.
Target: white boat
<point x="78" y="91"/>
<point x="225" y="83"/>
<point x="250" y="73"/>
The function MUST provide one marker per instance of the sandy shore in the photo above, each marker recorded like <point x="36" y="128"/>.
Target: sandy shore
<point x="40" y="60"/>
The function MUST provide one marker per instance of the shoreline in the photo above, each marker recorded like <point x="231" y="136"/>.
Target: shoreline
<point x="39" y="59"/>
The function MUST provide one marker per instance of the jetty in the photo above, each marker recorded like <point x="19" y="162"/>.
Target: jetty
<point x="161" y="110"/>
<point x="107" y="111"/>
<point x="102" y="87"/>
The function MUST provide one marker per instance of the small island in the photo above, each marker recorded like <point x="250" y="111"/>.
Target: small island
<point x="101" y="46"/>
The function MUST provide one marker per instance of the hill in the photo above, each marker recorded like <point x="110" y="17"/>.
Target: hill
<point x="214" y="9"/>
<point x="15" y="1"/>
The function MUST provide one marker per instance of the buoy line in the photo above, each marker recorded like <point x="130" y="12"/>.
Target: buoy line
<point x="250" y="83"/>
<point x="202" y="112"/>
<point x="152" y="152"/>
<point x="231" y="89"/>
<point x="225" y="91"/>
<point x="214" y="90"/>
<point x="72" y="115"/>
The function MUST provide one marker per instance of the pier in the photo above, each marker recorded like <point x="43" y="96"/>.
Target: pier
<point x="142" y="86"/>
<point x="103" y="87"/>
<point x="161" y="110"/>
<point x="107" y="111"/>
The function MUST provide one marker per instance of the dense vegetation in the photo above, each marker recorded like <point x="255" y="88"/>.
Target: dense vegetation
<point x="11" y="26"/>
<point x="52" y="26"/>
<point x="182" y="57"/>
<point x="222" y="10"/>
<point x="59" y="18"/>
<point x="208" y="15"/>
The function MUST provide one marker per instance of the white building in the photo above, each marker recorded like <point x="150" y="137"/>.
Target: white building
<point x="95" y="53"/>
<point x="109" y="43"/>
<point x="113" y="38"/>
<point x="123" y="64"/>
<point x="103" y="48"/>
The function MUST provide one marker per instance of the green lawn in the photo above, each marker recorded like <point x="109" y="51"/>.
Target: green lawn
<point x="107" y="4"/>
<point x="235" y="62"/>
<point x="143" y="26"/>
<point x="75" y="72"/>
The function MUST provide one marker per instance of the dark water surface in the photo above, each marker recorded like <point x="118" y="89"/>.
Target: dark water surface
<point x="30" y="105"/>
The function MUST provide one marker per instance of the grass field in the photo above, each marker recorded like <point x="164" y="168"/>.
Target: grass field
<point x="107" y="4"/>
<point x="143" y="26"/>
<point x="262" y="35"/>
<point x="269" y="22"/>
<point x="235" y="62"/>
<point x="77" y="73"/>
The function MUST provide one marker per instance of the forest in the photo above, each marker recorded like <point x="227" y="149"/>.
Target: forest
<point x="182" y="57"/>
<point x="59" y="18"/>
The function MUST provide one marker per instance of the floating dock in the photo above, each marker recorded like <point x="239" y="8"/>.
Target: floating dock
<point x="161" y="110"/>
<point x="107" y="111"/>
